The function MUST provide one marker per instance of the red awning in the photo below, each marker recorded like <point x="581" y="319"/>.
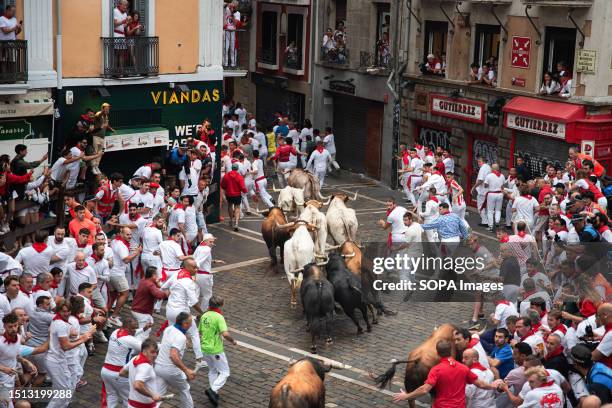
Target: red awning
<point x="547" y="110"/>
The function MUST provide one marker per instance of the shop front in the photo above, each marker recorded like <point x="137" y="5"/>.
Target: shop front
<point x="543" y="131"/>
<point x="275" y="94"/>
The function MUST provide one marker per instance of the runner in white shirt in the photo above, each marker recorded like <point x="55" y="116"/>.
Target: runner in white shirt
<point x="184" y="295"/>
<point x="540" y="390"/>
<point x="169" y="366"/>
<point x="37" y="258"/>
<point x="142" y="382"/>
<point x="525" y="208"/>
<point x="395" y="221"/>
<point x="434" y="179"/>
<point x="204" y="278"/>
<point x="245" y="171"/>
<point x="14" y="295"/>
<point x="151" y="239"/>
<point x="199" y="203"/>
<point x="412" y="246"/>
<point x="494" y="196"/>
<point x="503" y="310"/>
<point x="172" y="254"/>
<point x="318" y="162"/>
<point x="449" y="163"/>
<point x="479" y="188"/>
<point x="146" y="171"/>
<point x="415" y="177"/>
<point x="136" y="223"/>
<point x="123" y="343"/>
<point x="62" y="339"/>
<point x="78" y="272"/>
<point x="431" y="213"/>
<point x="191" y="224"/>
<point x="456" y="193"/>
<point x="330" y="145"/>
<point x="510" y="193"/>
<point x="144" y="198"/>
<point x="478" y="397"/>
<point x="98" y="261"/>
<point x="189" y="183"/>
<point x="118" y="284"/>
<point x="63" y="246"/>
<point x="260" y="181"/>
<point x="176" y="218"/>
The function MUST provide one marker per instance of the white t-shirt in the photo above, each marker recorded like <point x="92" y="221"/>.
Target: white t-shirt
<point x="145" y="199"/>
<point x="502" y="312"/>
<point x="414" y="235"/>
<point x="57" y="330"/>
<point x="8" y="23"/>
<point x="605" y="346"/>
<point x="119" y="30"/>
<point x="74" y="167"/>
<point x="144" y="172"/>
<point x="449" y="164"/>
<point x="176" y="217"/>
<point x="396" y="219"/>
<point x="8" y="357"/>
<point x="203" y="257"/>
<point x="140" y="223"/>
<point x="35" y="262"/>
<point x="120" y="252"/>
<point x="78" y="276"/>
<point x="525" y="208"/>
<point x="432" y="211"/>
<point x="59" y="169"/>
<point x="241" y="112"/>
<point x="330" y="144"/>
<point x="184" y="293"/>
<point x="437" y="181"/>
<point x="318" y="160"/>
<point x="64" y="250"/>
<point x="121" y="346"/>
<point x="191" y="225"/>
<point x="483" y="172"/>
<point x="477" y="397"/>
<point x="494" y="182"/>
<point x="151" y="238"/>
<point x="173" y="338"/>
<point x="142" y="372"/>
<point x="194" y="176"/>
<point x="549" y="396"/>
<point x="170" y="252"/>
<point x="126" y="192"/>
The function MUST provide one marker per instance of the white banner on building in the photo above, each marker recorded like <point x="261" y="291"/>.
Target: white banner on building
<point x="140" y="140"/>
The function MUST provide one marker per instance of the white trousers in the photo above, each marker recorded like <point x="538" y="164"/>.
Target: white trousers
<point x="218" y="370"/>
<point x="411" y="194"/>
<point x="509" y="213"/>
<point x="143" y="319"/>
<point x="263" y="193"/>
<point x="205" y="282"/>
<point x="172" y="377"/>
<point x="117" y="388"/>
<point x="229" y="49"/>
<point x="62" y="381"/>
<point x="248" y="183"/>
<point x="480" y="198"/>
<point x="147" y="260"/>
<point x="192" y="333"/>
<point x="459" y="210"/>
<point x="494" y="207"/>
<point x="321" y="176"/>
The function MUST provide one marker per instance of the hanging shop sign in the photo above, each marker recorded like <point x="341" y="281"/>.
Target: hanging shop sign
<point x="464" y="109"/>
<point x="534" y="125"/>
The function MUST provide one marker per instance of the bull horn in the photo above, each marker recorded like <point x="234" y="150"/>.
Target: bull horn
<point x="322" y="263"/>
<point x="323" y="198"/>
<point x="352" y="254"/>
<point x="332" y="247"/>
<point x="338" y="366"/>
<point x="274" y="189"/>
<point x="312" y="226"/>
<point x="354" y="198"/>
<point x="284" y="226"/>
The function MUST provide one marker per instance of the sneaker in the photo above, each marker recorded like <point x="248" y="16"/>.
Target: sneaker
<point x="336" y="165"/>
<point x="213" y="397"/>
<point x="115" y="321"/>
<point x="99" y="337"/>
<point x="52" y="214"/>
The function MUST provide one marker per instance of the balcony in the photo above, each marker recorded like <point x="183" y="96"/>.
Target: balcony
<point x="13" y="61"/>
<point x="560" y="3"/>
<point x="293" y="63"/>
<point x="130" y="57"/>
<point x="235" y="50"/>
<point x="375" y="62"/>
<point x="335" y="56"/>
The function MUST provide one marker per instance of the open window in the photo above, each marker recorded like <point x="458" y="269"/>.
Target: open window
<point x="294" y="52"/>
<point x="269" y="38"/>
<point x="559" y="48"/>
<point x="383" y="35"/>
<point x="488" y="38"/>
<point x="436" y="39"/>
<point x="141" y="7"/>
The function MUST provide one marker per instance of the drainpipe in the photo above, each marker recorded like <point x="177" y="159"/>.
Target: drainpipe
<point x="314" y="29"/>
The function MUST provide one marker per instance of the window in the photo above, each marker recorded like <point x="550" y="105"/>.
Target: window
<point x="487" y="43"/>
<point x="139" y="6"/>
<point x="268" y="37"/>
<point x="560" y="47"/>
<point x="436" y="35"/>
<point x="340" y="12"/>
<point x="383" y="27"/>
<point x="295" y="41"/>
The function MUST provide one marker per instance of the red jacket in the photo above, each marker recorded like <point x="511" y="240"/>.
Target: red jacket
<point x="233" y="184"/>
<point x="14" y="179"/>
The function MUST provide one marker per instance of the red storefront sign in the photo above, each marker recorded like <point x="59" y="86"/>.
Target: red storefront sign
<point x="521" y="52"/>
<point x="464" y="109"/>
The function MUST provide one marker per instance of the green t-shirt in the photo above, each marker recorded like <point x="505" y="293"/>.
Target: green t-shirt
<point x="212" y="324"/>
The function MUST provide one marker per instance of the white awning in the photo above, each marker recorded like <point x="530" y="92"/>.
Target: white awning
<point x="17" y="108"/>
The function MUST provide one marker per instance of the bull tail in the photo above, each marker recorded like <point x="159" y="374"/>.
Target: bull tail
<point x="385" y="378"/>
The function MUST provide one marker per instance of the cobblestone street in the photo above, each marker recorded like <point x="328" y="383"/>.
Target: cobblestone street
<point x="271" y="333"/>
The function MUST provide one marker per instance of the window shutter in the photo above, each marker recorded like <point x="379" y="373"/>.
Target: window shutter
<point x="142" y="7"/>
<point x="9" y="3"/>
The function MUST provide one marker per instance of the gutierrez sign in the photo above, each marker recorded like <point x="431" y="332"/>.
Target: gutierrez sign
<point x="465" y="109"/>
<point x="539" y="126"/>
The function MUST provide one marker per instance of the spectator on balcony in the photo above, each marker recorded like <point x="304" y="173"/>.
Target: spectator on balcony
<point x="443" y="62"/>
<point x="20" y="167"/>
<point x="432" y="66"/>
<point x="382" y="48"/>
<point x="291" y="55"/>
<point x="120" y="21"/>
<point x="566" y="85"/>
<point x="231" y="23"/>
<point x="101" y="126"/>
<point x="562" y="69"/>
<point x="9" y="27"/>
<point x="328" y="41"/>
<point x="340" y="31"/>
<point x="341" y="49"/>
<point x="487" y="75"/>
<point x="474" y="74"/>
<point x="134" y="27"/>
<point x="549" y="85"/>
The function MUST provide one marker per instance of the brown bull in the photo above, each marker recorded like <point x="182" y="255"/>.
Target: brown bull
<point x="303" y="385"/>
<point x="362" y="268"/>
<point x="420" y="361"/>
<point x="309" y="182"/>
<point x="273" y="235"/>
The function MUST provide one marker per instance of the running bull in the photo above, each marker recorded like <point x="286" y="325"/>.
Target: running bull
<point x="341" y="221"/>
<point x="273" y="235"/>
<point x="306" y="181"/>
<point x="317" y="295"/>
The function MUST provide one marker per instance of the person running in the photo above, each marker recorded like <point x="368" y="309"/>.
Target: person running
<point x="118" y="284"/>
<point x="494" y="196"/>
<point x="455" y="191"/>
<point x="318" y="162"/>
<point x="142" y="379"/>
<point x="146" y="295"/>
<point x="233" y="185"/>
<point x="260" y="182"/>
<point x="479" y="188"/>
<point x="213" y="330"/>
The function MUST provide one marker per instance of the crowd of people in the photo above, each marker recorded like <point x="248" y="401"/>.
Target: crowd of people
<point x="333" y="48"/>
<point x="548" y="341"/>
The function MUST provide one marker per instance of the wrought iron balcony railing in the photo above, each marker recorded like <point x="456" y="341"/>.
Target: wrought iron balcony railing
<point x="293" y="60"/>
<point x="335" y="56"/>
<point x="375" y="60"/>
<point x="13" y="61"/>
<point x="131" y="56"/>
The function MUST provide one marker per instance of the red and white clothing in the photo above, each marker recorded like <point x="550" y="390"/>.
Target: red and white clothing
<point x="261" y="183"/>
<point x="106" y="198"/>
<point x="64" y="250"/>
<point x="318" y="162"/>
<point x="121" y="250"/>
<point x="494" y="197"/>
<point x="121" y="346"/>
<point x="140" y="369"/>
<point x="77" y="276"/>
<point x="548" y="395"/>
<point x="449" y="164"/>
<point x="396" y="219"/>
<point x="58" y="360"/>
<point x="144" y="171"/>
<point x="22" y="301"/>
<point x="146" y="199"/>
<point x="535" y="340"/>
<point x="586" y="185"/>
<point x="35" y="259"/>
<point x="482" y="354"/>
<point x="481" y="191"/>
<point x="414" y="179"/>
<point x="457" y="200"/>
<point x="10" y="348"/>
<point x="605" y="346"/>
<point x="503" y="310"/>
<point x="512" y="192"/>
<point x="526" y="207"/>
<point x="151" y="238"/>
<point x="431" y="213"/>
<point x="170" y="252"/>
<point x="191" y="181"/>
<point x="436" y="180"/>
<point x="204" y="278"/>
<point x="478" y="397"/>
<point x="119" y="17"/>
<point x="176" y="217"/>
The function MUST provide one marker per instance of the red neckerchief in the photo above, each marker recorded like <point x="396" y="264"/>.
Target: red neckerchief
<point x="24" y="291"/>
<point x="504" y="239"/>
<point x="39" y="246"/>
<point x="122" y="333"/>
<point x="79" y="245"/>
<point x="84" y="266"/>
<point x="434" y="199"/>
<point x="527" y="196"/>
<point x="215" y="309"/>
<point x="141" y="359"/>
<point x="59" y="317"/>
<point x="10" y="340"/>
<point x="472" y="343"/>
<point x="561" y="327"/>
<point x="503" y="302"/>
<point x="36" y="288"/>
<point x="587" y="308"/>
<point x="496" y="172"/>
<point x="521" y="234"/>
<point x="204" y="244"/>
<point x="120" y="238"/>
<point x="86" y="118"/>
<point x="603" y="229"/>
<point x="608" y="327"/>
<point x="179" y="206"/>
<point x="149" y="165"/>
<point x="418" y="146"/>
<point x="54" y="285"/>
<point x="542" y="314"/>
<point x="429" y="153"/>
<point x="478" y="366"/>
<point x="547" y="384"/>
<point x="529" y="333"/>
<point x="536" y="326"/>
<point x="560" y="229"/>
<point x="320" y="149"/>
<point x="134" y="219"/>
<point x="96" y="257"/>
<point x="510" y="178"/>
<point x="183" y="273"/>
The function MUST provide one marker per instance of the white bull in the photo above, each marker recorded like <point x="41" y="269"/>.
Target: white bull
<point x="312" y="215"/>
<point x="342" y="221"/>
<point x="298" y="252"/>
<point x="290" y="199"/>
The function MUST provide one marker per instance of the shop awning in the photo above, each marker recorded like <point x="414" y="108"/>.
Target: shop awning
<point x="19" y="108"/>
<point x="547" y="110"/>
<point x="137" y="138"/>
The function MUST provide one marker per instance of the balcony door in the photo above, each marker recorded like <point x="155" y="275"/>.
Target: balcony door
<point x="560" y="46"/>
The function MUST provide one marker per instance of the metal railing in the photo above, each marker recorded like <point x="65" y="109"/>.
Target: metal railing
<point x="268" y="56"/>
<point x="375" y="60"/>
<point x="235" y="42"/>
<point x="293" y="60"/>
<point x="335" y="56"/>
<point x="13" y="61"/>
<point x="131" y="56"/>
